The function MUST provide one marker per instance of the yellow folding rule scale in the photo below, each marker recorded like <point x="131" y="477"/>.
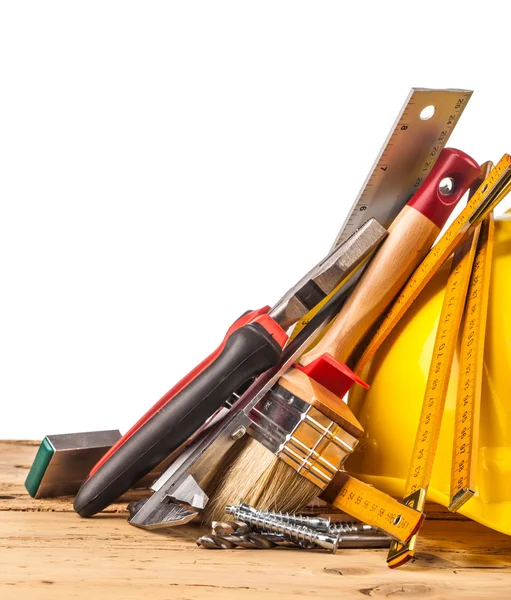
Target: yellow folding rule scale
<point x="462" y="321"/>
<point x="470" y="237"/>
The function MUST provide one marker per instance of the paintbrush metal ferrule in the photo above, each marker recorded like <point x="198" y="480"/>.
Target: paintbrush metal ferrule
<point x="301" y="435"/>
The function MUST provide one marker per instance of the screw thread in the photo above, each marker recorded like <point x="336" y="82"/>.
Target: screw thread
<point x="347" y="527"/>
<point x="317" y="523"/>
<point x="320" y="523"/>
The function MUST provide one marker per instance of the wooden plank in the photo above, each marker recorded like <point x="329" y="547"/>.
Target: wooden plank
<point x="58" y="555"/>
<point x="48" y="552"/>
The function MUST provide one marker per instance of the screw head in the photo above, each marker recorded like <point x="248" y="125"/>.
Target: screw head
<point x="238" y="433"/>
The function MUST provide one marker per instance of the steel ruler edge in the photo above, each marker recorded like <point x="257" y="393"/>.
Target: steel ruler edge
<point x="407" y="156"/>
<point x="405" y="159"/>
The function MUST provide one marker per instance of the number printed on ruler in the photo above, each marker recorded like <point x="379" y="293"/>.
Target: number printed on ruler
<point x="467" y="385"/>
<point x="440" y="369"/>
<point x="377" y="509"/>
<point x="426" y="439"/>
<point x="438" y="380"/>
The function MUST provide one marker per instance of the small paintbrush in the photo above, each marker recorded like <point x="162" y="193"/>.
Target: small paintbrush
<point x="259" y="469"/>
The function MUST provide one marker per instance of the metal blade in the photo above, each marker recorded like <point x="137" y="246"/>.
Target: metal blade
<point x="160" y="516"/>
<point x="407" y="156"/>
<point x="327" y="275"/>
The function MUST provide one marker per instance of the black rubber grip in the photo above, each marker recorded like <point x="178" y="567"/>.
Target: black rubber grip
<point x="248" y="352"/>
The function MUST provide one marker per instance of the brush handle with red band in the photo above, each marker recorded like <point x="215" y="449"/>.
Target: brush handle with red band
<point x="410" y="238"/>
<point x="252" y="345"/>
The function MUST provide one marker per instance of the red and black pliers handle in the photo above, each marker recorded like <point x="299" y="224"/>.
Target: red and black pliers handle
<point x="252" y="345"/>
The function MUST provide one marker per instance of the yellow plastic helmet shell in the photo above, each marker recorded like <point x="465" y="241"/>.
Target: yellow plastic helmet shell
<point x="389" y="411"/>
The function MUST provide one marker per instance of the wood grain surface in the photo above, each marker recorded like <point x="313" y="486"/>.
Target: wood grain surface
<point x="48" y="552"/>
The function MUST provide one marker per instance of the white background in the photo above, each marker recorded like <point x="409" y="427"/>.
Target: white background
<point x="165" y="166"/>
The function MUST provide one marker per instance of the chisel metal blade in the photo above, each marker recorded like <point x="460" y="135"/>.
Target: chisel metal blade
<point x="167" y="512"/>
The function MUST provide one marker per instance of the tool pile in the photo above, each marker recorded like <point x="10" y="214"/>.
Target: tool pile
<point x="263" y="530"/>
<point x="261" y="423"/>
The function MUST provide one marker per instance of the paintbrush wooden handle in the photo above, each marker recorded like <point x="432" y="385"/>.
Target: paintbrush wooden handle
<point x="410" y="237"/>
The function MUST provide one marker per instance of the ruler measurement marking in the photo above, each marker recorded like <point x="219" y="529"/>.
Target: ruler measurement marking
<point x="373" y="507"/>
<point x="428" y="431"/>
<point x="468" y="399"/>
<point x="446" y="102"/>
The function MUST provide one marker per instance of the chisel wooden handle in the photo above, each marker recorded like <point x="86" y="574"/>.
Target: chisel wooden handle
<point x="410" y="237"/>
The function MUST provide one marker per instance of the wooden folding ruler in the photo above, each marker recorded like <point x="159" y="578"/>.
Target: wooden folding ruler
<point x="470" y="235"/>
<point x="470" y="378"/>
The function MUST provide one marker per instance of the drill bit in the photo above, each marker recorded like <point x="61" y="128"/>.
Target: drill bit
<point x="230" y="528"/>
<point x="215" y="542"/>
<point x="228" y="542"/>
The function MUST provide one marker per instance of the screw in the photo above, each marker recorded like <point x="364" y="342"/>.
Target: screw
<point x="317" y="523"/>
<point x="297" y="533"/>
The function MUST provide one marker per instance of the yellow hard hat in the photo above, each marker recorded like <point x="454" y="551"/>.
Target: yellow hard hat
<point x="389" y="411"/>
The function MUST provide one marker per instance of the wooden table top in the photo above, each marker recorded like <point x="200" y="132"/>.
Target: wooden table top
<point x="48" y="552"/>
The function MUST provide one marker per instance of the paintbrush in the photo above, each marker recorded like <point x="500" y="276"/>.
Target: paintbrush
<point x="256" y="470"/>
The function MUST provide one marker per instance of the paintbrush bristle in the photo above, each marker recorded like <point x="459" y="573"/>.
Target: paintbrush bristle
<point x="250" y="473"/>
